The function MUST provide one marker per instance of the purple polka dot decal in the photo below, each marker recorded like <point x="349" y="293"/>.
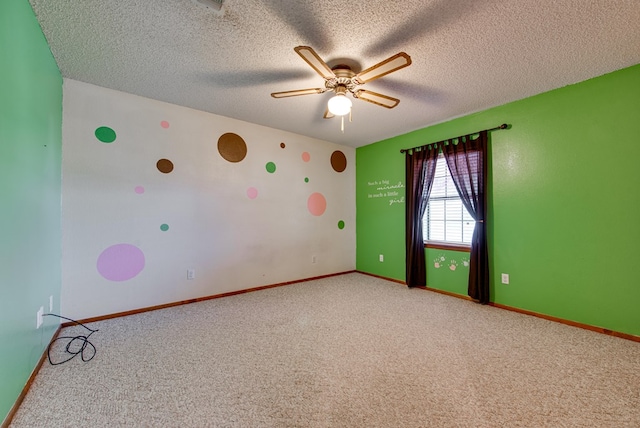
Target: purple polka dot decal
<point x="316" y="204"/>
<point x="306" y="157"/>
<point x="120" y="262"/>
<point x="139" y="190"/>
<point x="164" y="124"/>
<point x="252" y="193"/>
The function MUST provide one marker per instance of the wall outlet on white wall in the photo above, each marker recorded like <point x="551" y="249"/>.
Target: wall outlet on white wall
<point x="505" y="278"/>
<point x="39" y="315"/>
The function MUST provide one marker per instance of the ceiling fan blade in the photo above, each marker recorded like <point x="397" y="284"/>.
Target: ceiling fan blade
<point x="298" y="92"/>
<point x="376" y="98"/>
<point x="328" y="114"/>
<point x="312" y="58"/>
<point x="383" y="68"/>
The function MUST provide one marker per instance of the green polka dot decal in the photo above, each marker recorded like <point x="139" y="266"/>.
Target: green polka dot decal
<point x="164" y="227"/>
<point x="105" y="134"/>
<point x="271" y="167"/>
<point x="306" y="179"/>
<point x="341" y="225"/>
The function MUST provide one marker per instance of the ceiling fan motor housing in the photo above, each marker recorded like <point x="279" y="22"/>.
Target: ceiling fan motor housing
<point x="343" y="81"/>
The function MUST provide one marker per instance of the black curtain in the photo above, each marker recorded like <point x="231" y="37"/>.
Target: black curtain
<point x="420" y="167"/>
<point x="467" y="162"/>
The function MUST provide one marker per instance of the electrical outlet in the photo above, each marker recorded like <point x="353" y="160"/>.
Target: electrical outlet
<point x="191" y="273"/>
<point x="505" y="278"/>
<point x="381" y="257"/>
<point x="39" y="315"/>
<point x="50" y="303"/>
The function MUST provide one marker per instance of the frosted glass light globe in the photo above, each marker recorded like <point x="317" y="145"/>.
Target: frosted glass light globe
<point x="339" y="105"/>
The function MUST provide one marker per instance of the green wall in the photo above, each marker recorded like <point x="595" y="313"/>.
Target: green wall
<point x="563" y="202"/>
<point x="30" y="147"/>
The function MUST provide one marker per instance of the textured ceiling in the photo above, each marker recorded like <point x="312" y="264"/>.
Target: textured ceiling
<point x="468" y="55"/>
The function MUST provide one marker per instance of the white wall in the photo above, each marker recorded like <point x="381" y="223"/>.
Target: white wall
<point x="114" y="194"/>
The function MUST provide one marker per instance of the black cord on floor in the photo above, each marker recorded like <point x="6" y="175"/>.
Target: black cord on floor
<point x="80" y="342"/>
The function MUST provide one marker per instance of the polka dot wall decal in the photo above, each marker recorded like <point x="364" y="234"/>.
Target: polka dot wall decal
<point x="120" y="262"/>
<point x="105" y="134"/>
<point x="232" y="147"/>
<point x="306" y="157"/>
<point x="271" y="167"/>
<point x="317" y="204"/>
<point x="306" y="179"/>
<point x="164" y="227"/>
<point x="139" y="190"/>
<point x="338" y="161"/>
<point x="282" y="145"/>
<point x="164" y="124"/>
<point x="165" y="166"/>
<point x="341" y="225"/>
<point x="252" y="193"/>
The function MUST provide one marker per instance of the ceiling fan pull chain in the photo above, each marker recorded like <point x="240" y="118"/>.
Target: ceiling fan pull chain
<point x="342" y="127"/>
<point x="350" y="118"/>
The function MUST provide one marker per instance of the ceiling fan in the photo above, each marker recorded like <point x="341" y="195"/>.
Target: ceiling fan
<point x="341" y="80"/>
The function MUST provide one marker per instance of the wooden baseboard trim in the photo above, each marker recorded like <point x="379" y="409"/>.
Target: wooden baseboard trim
<point x="568" y="322"/>
<point x="525" y="312"/>
<point x="199" y="299"/>
<point x="27" y="386"/>
<point x="383" y="277"/>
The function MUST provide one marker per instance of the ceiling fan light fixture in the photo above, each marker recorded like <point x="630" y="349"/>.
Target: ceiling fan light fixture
<point x="339" y="105"/>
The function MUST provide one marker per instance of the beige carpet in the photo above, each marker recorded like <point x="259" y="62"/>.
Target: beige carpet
<point x="346" y="351"/>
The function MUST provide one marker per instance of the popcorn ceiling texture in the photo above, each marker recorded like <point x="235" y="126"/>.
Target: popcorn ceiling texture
<point x="467" y="56"/>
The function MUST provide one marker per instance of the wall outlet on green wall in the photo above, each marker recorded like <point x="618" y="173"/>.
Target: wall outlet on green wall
<point x="505" y="278"/>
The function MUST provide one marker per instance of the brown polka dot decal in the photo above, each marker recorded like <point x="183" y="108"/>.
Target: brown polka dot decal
<point x="282" y="145"/>
<point x="338" y="161"/>
<point x="165" y="166"/>
<point x="232" y="147"/>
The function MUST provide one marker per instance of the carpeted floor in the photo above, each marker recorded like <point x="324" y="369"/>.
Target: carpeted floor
<point x="345" y="351"/>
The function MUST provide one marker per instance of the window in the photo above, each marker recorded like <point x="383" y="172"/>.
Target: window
<point x="446" y="218"/>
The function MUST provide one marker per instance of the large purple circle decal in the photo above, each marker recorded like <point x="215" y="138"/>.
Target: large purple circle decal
<point x="120" y="262"/>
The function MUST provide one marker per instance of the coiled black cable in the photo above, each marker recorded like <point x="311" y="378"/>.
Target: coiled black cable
<point x="81" y="342"/>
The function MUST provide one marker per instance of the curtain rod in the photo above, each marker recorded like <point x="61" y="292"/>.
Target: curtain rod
<point x="503" y="126"/>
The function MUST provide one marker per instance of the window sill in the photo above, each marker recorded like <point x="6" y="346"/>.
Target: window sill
<point x="447" y="246"/>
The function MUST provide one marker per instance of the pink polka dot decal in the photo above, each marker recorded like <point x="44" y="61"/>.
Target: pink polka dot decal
<point x="306" y="157"/>
<point x="316" y="204"/>
<point x="252" y="193"/>
<point x="120" y="262"/>
<point x="164" y="124"/>
<point x="139" y="190"/>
